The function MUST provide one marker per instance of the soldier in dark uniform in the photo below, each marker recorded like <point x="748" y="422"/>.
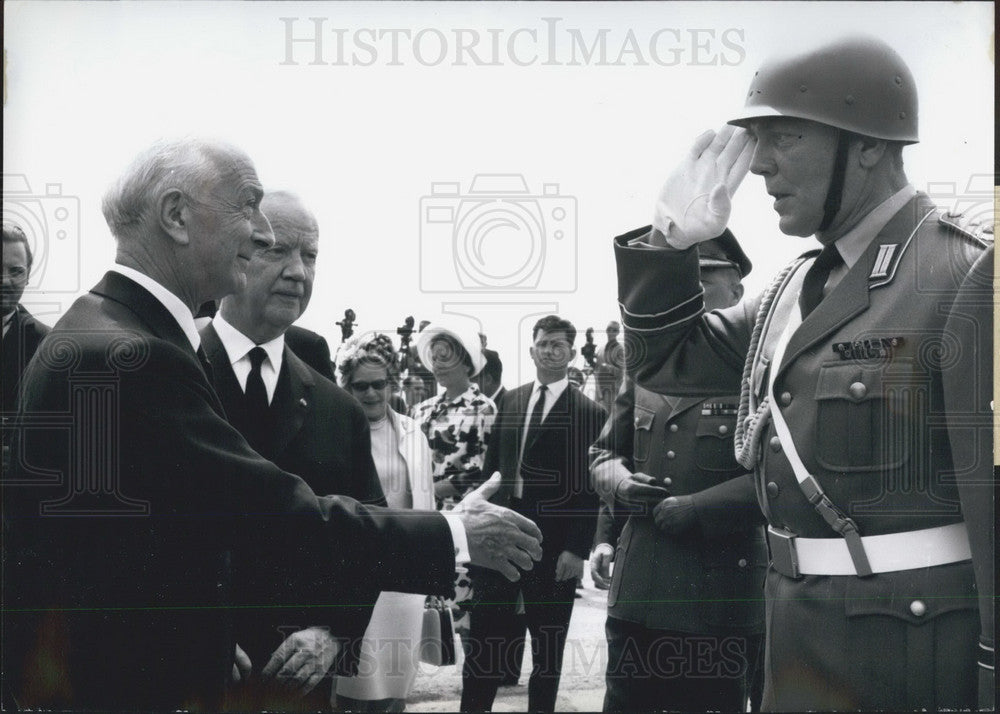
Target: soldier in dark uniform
<point x="844" y="366"/>
<point x="685" y="610"/>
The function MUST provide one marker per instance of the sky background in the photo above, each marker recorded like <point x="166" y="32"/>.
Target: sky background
<point x="583" y="138"/>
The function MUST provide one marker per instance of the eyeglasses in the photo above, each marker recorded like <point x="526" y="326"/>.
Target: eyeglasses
<point x="377" y="385"/>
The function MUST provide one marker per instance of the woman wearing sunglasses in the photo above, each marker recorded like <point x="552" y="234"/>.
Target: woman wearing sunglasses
<point x="390" y="652"/>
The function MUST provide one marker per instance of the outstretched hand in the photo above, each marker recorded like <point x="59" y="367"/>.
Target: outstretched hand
<point x="499" y="539"/>
<point x="695" y="202"/>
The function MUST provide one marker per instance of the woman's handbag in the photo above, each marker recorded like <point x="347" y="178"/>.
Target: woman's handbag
<point x="437" y="639"/>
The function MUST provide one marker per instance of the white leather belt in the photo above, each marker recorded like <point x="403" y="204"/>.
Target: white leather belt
<point x="793" y="556"/>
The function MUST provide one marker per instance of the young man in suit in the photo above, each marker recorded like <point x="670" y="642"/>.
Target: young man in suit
<point x="539" y="444"/>
<point x="685" y="608"/>
<point x="134" y="499"/>
<point x="22" y="333"/>
<point x="289" y="413"/>
<point x="847" y="370"/>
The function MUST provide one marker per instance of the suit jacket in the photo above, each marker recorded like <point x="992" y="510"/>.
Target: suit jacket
<point x="709" y="579"/>
<point x="557" y="494"/>
<point x="861" y="387"/>
<point x="311" y="348"/>
<point x="120" y="596"/>
<point x="19" y="346"/>
<point x="320" y="433"/>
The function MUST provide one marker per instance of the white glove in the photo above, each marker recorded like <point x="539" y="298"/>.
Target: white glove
<point x="695" y="202"/>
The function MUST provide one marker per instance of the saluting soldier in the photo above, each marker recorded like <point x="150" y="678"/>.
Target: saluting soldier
<point x="685" y="608"/>
<point x="843" y="366"/>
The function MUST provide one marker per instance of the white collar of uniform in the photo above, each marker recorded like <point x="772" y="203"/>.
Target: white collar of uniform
<point x="853" y="243"/>
<point x="175" y="307"/>
<point x="554" y="388"/>
<point x="237" y="345"/>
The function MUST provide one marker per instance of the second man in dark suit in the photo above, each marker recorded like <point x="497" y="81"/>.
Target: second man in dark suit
<point x="539" y="444"/>
<point x="294" y="416"/>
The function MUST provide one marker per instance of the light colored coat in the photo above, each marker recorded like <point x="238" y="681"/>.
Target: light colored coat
<point x="390" y="652"/>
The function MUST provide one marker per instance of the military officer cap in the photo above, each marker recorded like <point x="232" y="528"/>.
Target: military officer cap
<point x="855" y="83"/>
<point x="724" y="252"/>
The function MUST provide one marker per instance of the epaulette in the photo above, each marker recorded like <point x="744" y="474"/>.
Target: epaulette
<point x="979" y="231"/>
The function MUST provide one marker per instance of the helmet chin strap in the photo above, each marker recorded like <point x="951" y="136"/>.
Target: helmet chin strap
<point x="836" y="190"/>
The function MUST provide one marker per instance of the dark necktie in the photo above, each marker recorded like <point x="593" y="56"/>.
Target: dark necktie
<point x="816" y="277"/>
<point x="536" y="416"/>
<point x="256" y="398"/>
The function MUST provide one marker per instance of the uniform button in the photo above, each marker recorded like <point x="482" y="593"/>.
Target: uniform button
<point x="786" y="398"/>
<point x="668" y="481"/>
<point x="918" y="608"/>
<point x="772" y="489"/>
<point x="723" y="429"/>
<point x="671" y="455"/>
<point x="775" y="444"/>
<point x="858" y="390"/>
<point x="673" y="428"/>
<point x="742" y="563"/>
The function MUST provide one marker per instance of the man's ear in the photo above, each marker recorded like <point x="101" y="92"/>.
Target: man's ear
<point x="871" y="151"/>
<point x="173" y="214"/>
<point x="737" y="292"/>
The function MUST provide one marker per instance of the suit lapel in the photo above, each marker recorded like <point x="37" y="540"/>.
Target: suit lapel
<point x="852" y="296"/>
<point x="147" y="308"/>
<point x="292" y="400"/>
<point x="223" y="377"/>
<point x="152" y="313"/>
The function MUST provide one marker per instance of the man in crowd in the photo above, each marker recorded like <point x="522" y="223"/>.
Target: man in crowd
<point x="22" y="333"/>
<point x="490" y="379"/>
<point x="539" y="444"/>
<point x="685" y="610"/>
<point x="846" y="367"/>
<point x="610" y="370"/>
<point x="136" y="500"/>
<point x="290" y="414"/>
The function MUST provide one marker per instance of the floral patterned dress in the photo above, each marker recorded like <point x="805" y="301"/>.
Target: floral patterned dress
<point x="457" y="431"/>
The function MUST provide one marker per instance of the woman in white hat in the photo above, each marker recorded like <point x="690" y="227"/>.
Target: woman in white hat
<point x="457" y="424"/>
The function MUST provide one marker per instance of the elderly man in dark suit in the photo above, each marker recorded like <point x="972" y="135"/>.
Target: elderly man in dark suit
<point x="846" y="369"/>
<point x="289" y="413"/>
<point x="539" y="443"/>
<point x="685" y="608"/>
<point x="134" y="499"/>
<point x="22" y="333"/>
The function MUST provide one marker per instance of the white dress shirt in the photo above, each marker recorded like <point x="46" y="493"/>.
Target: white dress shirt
<point x="238" y="346"/>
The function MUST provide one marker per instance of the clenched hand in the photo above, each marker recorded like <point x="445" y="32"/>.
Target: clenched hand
<point x="640" y="489"/>
<point x="303" y="659"/>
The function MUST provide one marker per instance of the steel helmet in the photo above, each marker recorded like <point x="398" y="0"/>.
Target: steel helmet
<point x="855" y="83"/>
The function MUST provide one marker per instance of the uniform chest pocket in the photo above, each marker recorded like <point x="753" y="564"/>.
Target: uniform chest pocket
<point x="866" y="414"/>
<point x="643" y="434"/>
<point x="714" y="447"/>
